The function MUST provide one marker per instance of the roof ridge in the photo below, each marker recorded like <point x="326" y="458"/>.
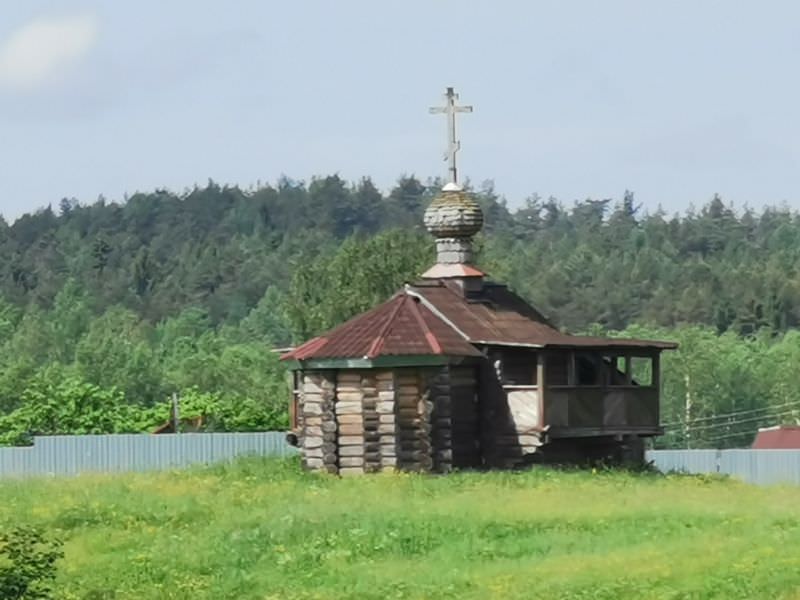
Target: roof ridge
<point x="436" y="312"/>
<point x="433" y="343"/>
<point x="380" y="338"/>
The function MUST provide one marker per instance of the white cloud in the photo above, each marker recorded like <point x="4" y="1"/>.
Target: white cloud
<point x="37" y="54"/>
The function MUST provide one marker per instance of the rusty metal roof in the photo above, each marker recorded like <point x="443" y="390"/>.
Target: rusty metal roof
<point x="781" y="437"/>
<point x="497" y="316"/>
<point x="434" y="317"/>
<point x="401" y="326"/>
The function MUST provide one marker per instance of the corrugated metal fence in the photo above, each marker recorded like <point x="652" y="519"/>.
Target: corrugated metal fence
<point x="763" y="467"/>
<point x="74" y="454"/>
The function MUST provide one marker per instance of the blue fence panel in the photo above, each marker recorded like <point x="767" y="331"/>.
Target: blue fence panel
<point x="685" y="461"/>
<point x="762" y="467"/>
<point x="71" y="455"/>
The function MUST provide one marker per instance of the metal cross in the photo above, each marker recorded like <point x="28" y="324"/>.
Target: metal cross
<point x="453" y="145"/>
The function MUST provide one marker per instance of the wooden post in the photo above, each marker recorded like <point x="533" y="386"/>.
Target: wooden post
<point x="541" y="384"/>
<point x="656" y="383"/>
<point x="572" y="375"/>
<point x="656" y="375"/>
<point x="628" y="369"/>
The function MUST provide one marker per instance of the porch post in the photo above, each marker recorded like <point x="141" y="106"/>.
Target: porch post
<point x="656" y="376"/>
<point x="572" y="378"/>
<point x="541" y="384"/>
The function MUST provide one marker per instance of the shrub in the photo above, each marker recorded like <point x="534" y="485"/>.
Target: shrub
<point x="27" y="564"/>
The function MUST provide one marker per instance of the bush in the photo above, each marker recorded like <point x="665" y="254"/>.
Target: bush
<point x="27" y="564"/>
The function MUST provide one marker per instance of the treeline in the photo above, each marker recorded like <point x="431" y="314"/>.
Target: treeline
<point x="593" y="261"/>
<point x="107" y="309"/>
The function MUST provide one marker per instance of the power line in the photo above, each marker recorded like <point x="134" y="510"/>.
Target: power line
<point x="731" y="414"/>
<point x="779" y="415"/>
<point x="683" y="424"/>
<point x="740" y="421"/>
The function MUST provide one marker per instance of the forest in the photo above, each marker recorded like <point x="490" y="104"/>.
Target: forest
<point x="108" y="308"/>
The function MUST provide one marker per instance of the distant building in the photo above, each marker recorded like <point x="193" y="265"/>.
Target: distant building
<point x="457" y="371"/>
<point x="781" y="437"/>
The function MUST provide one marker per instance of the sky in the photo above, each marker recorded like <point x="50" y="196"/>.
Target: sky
<point x="675" y="101"/>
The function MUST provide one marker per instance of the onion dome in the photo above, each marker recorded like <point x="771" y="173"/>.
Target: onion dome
<point x="453" y="214"/>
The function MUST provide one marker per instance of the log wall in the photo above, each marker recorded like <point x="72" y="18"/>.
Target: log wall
<point x="318" y="443"/>
<point x="454" y="422"/>
<point x="412" y="413"/>
<point x="412" y="419"/>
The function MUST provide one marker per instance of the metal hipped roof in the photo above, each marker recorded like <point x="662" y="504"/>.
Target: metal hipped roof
<point x="401" y="326"/>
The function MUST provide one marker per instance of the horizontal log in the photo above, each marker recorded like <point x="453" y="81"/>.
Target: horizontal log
<point x="388" y="450"/>
<point x="351" y="429"/>
<point x="386" y="395"/>
<point x="351" y="440"/>
<point x="330" y="459"/>
<point x="407" y="413"/>
<point x="351" y="451"/>
<point x="313" y="463"/>
<point x="408" y="404"/>
<point x="384" y="428"/>
<point x="350" y="419"/>
<point x="348" y="408"/>
<point x="385" y="407"/>
<point x="415" y="446"/>
<point x="312" y="441"/>
<point x="356" y="396"/>
<point x="310" y="387"/>
<point x="349" y="376"/>
<point x="313" y="431"/>
<point x="388" y="461"/>
<point x="351" y="461"/>
<point x="385" y="418"/>
<point x="351" y="471"/>
<point x="329" y="426"/>
<point x="312" y="408"/>
<point x="411" y="435"/>
<point x="408" y="391"/>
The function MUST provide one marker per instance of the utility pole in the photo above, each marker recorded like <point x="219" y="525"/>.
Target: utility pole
<point x="453" y="145"/>
<point x="176" y="413"/>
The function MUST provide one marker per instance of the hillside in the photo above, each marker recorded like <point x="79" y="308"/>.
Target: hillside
<point x="106" y="309"/>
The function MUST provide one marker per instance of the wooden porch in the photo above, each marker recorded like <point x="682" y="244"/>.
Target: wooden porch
<point x="584" y="393"/>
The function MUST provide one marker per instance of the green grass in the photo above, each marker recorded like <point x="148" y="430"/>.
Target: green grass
<point x="263" y="529"/>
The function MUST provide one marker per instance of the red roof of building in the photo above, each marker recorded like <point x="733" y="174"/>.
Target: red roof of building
<point x="497" y="316"/>
<point x="434" y="317"/>
<point x="401" y="326"/>
<point x="780" y="437"/>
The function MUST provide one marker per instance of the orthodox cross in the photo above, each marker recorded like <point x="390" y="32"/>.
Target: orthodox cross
<point x="453" y="145"/>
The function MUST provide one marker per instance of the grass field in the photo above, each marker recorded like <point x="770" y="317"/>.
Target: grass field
<point x="262" y="529"/>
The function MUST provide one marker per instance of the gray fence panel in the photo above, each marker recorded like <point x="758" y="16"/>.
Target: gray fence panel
<point x="762" y="467"/>
<point x="685" y="461"/>
<point x="72" y="455"/>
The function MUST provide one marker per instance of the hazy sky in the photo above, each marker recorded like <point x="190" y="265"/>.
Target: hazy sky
<point x="674" y="100"/>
